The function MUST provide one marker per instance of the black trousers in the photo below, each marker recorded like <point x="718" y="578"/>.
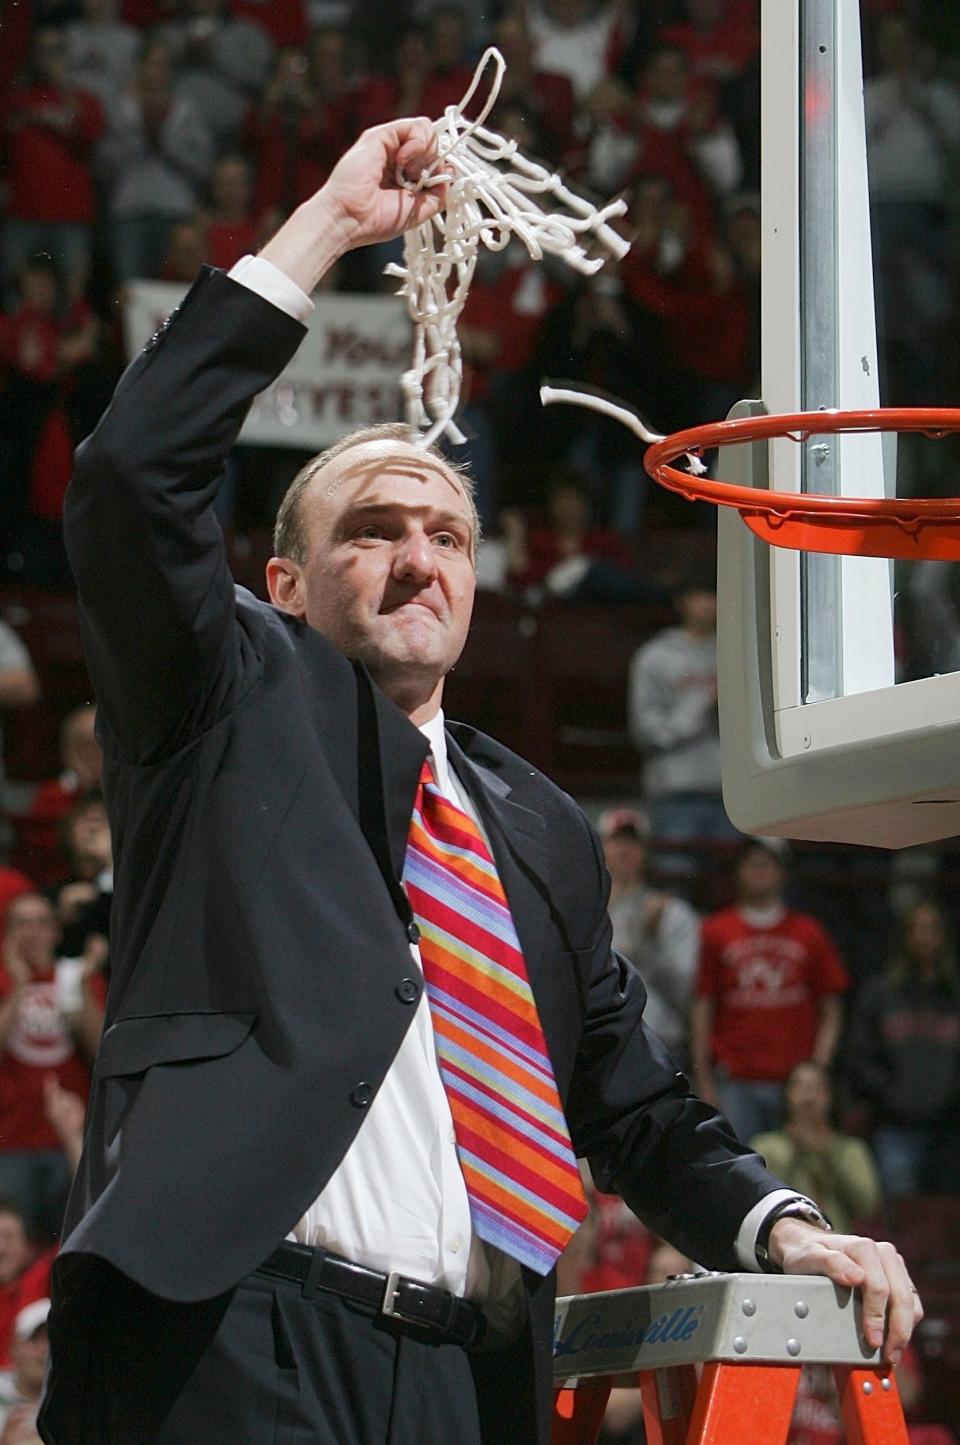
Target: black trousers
<point x="264" y="1366"/>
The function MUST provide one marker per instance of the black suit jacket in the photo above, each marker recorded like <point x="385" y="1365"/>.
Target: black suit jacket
<point x="260" y="788"/>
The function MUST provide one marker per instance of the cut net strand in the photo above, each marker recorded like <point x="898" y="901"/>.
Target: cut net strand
<point x="602" y="404"/>
<point x="494" y="192"/>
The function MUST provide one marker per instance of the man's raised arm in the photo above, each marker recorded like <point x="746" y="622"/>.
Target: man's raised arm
<point x="157" y="599"/>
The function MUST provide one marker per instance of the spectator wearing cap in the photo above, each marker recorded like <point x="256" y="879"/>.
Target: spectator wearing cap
<point x="658" y="933"/>
<point x="20" y="1386"/>
<point x="768" y="994"/>
<point x="24" y="1274"/>
<point x="672" y="701"/>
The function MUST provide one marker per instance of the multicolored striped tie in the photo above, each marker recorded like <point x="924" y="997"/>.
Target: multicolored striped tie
<point x="522" y="1180"/>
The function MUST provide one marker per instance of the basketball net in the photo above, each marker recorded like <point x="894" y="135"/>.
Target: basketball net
<point x="494" y="192"/>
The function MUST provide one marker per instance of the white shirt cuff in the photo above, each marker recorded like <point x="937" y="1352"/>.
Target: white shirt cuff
<point x="262" y="276"/>
<point x="746" y="1241"/>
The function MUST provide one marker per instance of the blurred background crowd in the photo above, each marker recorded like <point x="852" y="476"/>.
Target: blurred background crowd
<point x="814" y="992"/>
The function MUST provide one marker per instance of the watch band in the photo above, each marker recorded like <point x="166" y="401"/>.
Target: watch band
<point x="799" y="1208"/>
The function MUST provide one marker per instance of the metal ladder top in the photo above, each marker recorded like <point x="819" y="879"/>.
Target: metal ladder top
<point x="749" y="1334"/>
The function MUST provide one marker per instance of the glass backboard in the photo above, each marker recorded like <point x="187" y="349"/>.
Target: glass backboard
<point x="843" y="732"/>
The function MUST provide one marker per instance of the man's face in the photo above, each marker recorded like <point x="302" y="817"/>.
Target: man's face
<point x="389" y="575"/>
<point x="14" y="1248"/>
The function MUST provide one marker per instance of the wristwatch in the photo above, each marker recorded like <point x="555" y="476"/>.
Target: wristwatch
<point x="799" y="1208"/>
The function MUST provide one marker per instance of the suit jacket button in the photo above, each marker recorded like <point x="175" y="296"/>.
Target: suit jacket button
<point x="407" y="991"/>
<point x="413" y="932"/>
<point x="361" y="1096"/>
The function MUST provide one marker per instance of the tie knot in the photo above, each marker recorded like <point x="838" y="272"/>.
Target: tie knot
<point x="428" y="777"/>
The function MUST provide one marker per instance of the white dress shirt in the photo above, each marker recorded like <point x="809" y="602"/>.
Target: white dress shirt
<point x="398" y="1201"/>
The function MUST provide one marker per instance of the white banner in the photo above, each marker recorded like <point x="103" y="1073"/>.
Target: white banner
<point x="346" y="373"/>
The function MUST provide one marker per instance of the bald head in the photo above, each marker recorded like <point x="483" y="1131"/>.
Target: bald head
<point x="359" y="450"/>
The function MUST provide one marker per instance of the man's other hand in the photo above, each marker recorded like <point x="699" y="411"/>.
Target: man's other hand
<point x="891" y="1305"/>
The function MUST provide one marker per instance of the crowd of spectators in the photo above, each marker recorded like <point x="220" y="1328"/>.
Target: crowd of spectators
<point x="852" y="1096"/>
<point x="56" y="885"/>
<point x="142" y="138"/>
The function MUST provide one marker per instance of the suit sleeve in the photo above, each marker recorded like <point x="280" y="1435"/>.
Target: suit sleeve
<point x="165" y="654"/>
<point x="671" y="1157"/>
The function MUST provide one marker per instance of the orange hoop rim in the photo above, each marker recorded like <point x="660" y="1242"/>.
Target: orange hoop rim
<point x="926" y="528"/>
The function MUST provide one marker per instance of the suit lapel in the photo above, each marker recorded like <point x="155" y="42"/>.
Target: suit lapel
<point x="387" y="791"/>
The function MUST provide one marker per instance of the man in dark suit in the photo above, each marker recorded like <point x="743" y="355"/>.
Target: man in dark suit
<point x="271" y="1237"/>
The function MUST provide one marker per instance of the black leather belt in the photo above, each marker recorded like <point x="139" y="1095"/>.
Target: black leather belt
<point x="441" y="1314"/>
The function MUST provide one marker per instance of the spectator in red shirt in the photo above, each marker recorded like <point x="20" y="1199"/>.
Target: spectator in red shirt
<point x="706" y="294"/>
<point x="677" y="104"/>
<point x="306" y="120"/>
<point x="24" y="1274"/>
<point x="51" y="129"/>
<point x="767" y="995"/>
<point x="450" y="73"/>
<point x="400" y="91"/>
<point x="720" y="37"/>
<point x="51" y="1014"/>
<point x="13" y="884"/>
<point x="285" y="21"/>
<point x="508" y="298"/>
<point x="230" y="226"/>
<point x="186" y="252"/>
<point x="45" y="341"/>
<point x="545" y="97"/>
<point x="570" y="557"/>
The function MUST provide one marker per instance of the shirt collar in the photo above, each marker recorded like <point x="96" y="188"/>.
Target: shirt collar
<point x="433" y="731"/>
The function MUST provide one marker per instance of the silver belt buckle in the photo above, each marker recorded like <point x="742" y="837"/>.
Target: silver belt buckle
<point x="389" y="1306"/>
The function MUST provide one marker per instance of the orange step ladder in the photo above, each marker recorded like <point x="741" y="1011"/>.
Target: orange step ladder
<point x="749" y="1334"/>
